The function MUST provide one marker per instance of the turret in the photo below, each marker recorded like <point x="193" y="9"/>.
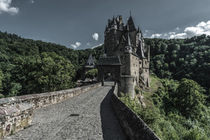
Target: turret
<point x="128" y="47"/>
<point x="131" y="24"/>
<point x="148" y="53"/>
<point x="114" y="24"/>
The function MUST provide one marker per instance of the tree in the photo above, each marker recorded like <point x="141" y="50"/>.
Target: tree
<point x="189" y="98"/>
<point x="91" y="73"/>
<point x="57" y="72"/>
<point x="1" y="78"/>
<point x="47" y="72"/>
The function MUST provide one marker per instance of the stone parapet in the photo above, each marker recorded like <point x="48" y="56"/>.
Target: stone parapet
<point x="14" y="117"/>
<point x="134" y="127"/>
<point x="16" y="112"/>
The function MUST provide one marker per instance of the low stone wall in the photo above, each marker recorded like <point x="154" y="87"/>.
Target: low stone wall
<point x="16" y="112"/>
<point x="134" y="127"/>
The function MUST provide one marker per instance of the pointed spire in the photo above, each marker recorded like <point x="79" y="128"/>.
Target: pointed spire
<point x="90" y="60"/>
<point x="131" y="24"/>
<point x="115" y="23"/>
<point x="128" y="47"/>
<point x="129" y="40"/>
<point x="141" y="51"/>
<point x="106" y="29"/>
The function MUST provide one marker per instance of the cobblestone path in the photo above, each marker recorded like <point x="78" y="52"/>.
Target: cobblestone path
<point x="88" y="116"/>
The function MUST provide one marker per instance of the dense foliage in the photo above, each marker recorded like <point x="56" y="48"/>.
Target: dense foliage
<point x="28" y="66"/>
<point x="181" y="58"/>
<point x="91" y="73"/>
<point x="167" y="110"/>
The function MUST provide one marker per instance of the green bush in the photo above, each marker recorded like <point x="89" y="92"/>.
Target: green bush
<point x="137" y="90"/>
<point x="195" y="134"/>
<point x="93" y="73"/>
<point x="189" y="98"/>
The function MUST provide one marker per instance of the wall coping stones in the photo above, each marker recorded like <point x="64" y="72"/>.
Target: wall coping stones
<point x="16" y="112"/>
<point x="134" y="127"/>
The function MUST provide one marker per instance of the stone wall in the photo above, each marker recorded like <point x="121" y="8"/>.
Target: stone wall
<point x="134" y="127"/>
<point x="127" y="85"/>
<point x="16" y="112"/>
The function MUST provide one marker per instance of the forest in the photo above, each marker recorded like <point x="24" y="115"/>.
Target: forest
<point x="178" y="106"/>
<point x="28" y="66"/>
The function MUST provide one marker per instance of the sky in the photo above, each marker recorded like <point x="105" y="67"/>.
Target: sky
<point x="80" y="24"/>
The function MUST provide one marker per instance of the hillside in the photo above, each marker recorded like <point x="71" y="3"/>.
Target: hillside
<point x="173" y="112"/>
<point x="181" y="58"/>
<point x="172" y="59"/>
<point x="28" y="66"/>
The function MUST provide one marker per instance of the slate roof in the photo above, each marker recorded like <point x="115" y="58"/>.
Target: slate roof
<point x="90" y="61"/>
<point x="109" y="60"/>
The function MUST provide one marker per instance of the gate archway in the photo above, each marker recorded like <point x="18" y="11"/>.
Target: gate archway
<point x="108" y="65"/>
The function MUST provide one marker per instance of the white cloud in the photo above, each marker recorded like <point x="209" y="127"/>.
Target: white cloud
<point x="5" y="7"/>
<point x="199" y="29"/>
<point x="76" y="45"/>
<point x="95" y="36"/>
<point x="97" y="46"/>
<point x="32" y="1"/>
<point x="156" y="35"/>
<point x="88" y="44"/>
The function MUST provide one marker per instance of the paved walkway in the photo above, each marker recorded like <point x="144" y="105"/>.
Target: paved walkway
<point x="88" y="116"/>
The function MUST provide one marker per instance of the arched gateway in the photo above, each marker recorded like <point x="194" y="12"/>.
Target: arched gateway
<point x="109" y="65"/>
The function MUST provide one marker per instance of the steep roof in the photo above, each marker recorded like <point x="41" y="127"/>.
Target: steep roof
<point x="109" y="60"/>
<point x="90" y="61"/>
<point x="140" y="51"/>
<point x="131" y="24"/>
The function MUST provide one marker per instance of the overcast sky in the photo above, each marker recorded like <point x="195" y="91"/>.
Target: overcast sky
<point x="80" y="24"/>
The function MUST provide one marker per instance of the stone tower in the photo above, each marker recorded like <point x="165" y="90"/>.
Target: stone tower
<point x="126" y="42"/>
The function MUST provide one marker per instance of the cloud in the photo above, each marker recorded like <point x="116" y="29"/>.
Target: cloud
<point x="95" y="36"/>
<point x="199" y="29"/>
<point x="32" y="1"/>
<point x="5" y="7"/>
<point x="76" y="45"/>
<point x="156" y="35"/>
<point x="97" y="46"/>
<point x="88" y="44"/>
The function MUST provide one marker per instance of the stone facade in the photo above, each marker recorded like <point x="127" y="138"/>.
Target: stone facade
<point x="14" y="117"/>
<point x="127" y="43"/>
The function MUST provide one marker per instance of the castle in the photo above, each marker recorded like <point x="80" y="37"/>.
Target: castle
<point x="125" y="55"/>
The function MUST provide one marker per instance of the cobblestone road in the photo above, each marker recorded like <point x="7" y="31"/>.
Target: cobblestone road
<point x="88" y="116"/>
